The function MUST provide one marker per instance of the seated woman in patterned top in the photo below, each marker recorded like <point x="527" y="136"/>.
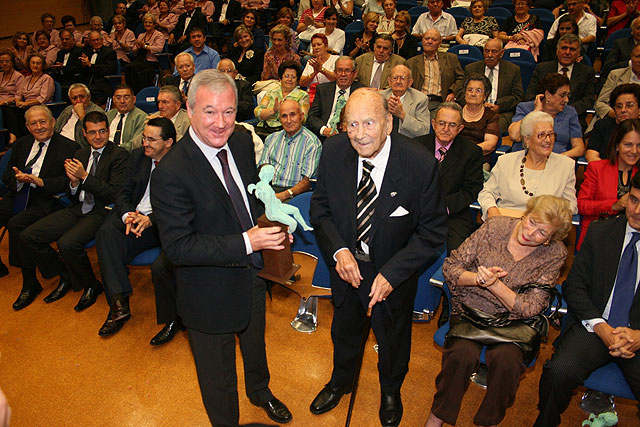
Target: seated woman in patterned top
<point x="478" y="28"/>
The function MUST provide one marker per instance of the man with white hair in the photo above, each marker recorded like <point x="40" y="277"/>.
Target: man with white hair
<point x="69" y="123"/>
<point x="409" y="106"/>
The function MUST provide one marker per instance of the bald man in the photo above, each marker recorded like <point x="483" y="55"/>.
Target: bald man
<point x="409" y="106"/>
<point x="246" y="102"/>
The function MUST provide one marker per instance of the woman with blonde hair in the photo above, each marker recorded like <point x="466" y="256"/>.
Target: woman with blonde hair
<point x="363" y="41"/>
<point x="279" y="52"/>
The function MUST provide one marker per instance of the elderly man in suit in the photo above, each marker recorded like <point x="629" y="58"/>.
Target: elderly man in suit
<point x="225" y="13"/>
<point x="95" y="174"/>
<point x="581" y="76"/>
<point x="125" y="120"/>
<point x="191" y="18"/>
<point x="67" y="64"/>
<point x="380" y="219"/>
<point x="186" y="69"/>
<point x="506" y="82"/>
<point x="245" y="93"/>
<point x="130" y="228"/>
<point x="217" y="251"/>
<point x="331" y="97"/>
<point x="621" y="53"/>
<point x="436" y="74"/>
<point x="35" y="173"/>
<point x="628" y="74"/>
<point x="373" y="68"/>
<point x="409" y="106"/>
<point x="96" y="62"/>
<point x="603" y="319"/>
<point x="69" y="123"/>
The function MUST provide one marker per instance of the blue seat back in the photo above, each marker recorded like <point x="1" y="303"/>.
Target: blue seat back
<point x="428" y="296"/>
<point x="4" y="162"/>
<point x="146" y="99"/>
<point x="498" y="11"/>
<point x="415" y="13"/>
<point x="405" y="5"/>
<point x="459" y="14"/>
<point x="524" y="59"/>
<point x="357" y="13"/>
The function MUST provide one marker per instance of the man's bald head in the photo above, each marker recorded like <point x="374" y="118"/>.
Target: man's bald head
<point x="228" y="67"/>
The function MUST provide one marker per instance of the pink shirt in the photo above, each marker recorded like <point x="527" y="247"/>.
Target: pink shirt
<point x="50" y="54"/>
<point x="85" y="37"/>
<point x="439" y="146"/>
<point x="178" y="9"/>
<point x="54" y="37"/>
<point x="42" y="89"/>
<point x="155" y="43"/>
<point x="167" y="24"/>
<point x="208" y="8"/>
<point x="127" y="39"/>
<point x="9" y="88"/>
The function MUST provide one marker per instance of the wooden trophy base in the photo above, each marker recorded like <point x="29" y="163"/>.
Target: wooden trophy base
<point x="278" y="265"/>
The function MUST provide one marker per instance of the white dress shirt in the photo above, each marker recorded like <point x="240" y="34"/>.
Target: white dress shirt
<point x="37" y="166"/>
<point x="113" y="127"/>
<point x="494" y="83"/>
<point x="88" y="169"/>
<point x="69" y="129"/>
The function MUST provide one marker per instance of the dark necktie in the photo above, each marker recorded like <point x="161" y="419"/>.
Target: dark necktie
<point x="89" y="202"/>
<point x="565" y="71"/>
<point x="443" y="153"/>
<point x="625" y="286"/>
<point x="367" y="196"/>
<point x="375" y="82"/>
<point x="118" y="134"/>
<point x="35" y="158"/>
<point x="185" y="87"/>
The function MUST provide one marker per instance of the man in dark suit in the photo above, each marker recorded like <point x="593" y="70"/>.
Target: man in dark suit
<point x="217" y="250"/>
<point x="44" y="152"/>
<point x="67" y="64"/>
<point x="222" y="20"/>
<point x="621" y="53"/>
<point x="186" y="70"/>
<point x="96" y="174"/>
<point x="324" y="115"/>
<point x="191" y="18"/>
<point x="130" y="228"/>
<point x="132" y="14"/>
<point x="246" y="102"/>
<point x="459" y="170"/>
<point x="97" y="61"/>
<point x="581" y="76"/>
<point x="603" y="321"/>
<point x="379" y="234"/>
<point x="506" y="82"/>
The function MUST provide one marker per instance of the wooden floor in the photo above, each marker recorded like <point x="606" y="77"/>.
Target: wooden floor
<point x="57" y="371"/>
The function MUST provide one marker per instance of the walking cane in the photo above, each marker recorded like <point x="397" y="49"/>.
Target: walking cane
<point x="354" y="388"/>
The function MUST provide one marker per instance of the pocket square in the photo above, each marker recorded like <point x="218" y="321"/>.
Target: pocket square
<point x="400" y="211"/>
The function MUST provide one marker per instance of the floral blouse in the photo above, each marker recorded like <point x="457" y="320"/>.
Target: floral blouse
<point x="298" y="95"/>
<point x="485" y="27"/>
<point x="272" y="62"/>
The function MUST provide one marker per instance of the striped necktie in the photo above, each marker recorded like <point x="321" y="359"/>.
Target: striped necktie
<point x="367" y="196"/>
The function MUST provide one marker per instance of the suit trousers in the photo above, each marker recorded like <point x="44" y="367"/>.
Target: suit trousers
<point x="215" y="358"/>
<point x="578" y="353"/>
<point x="394" y="338"/>
<point x="116" y="250"/>
<point x="163" y="276"/>
<point x="72" y="230"/>
<point x="461" y="358"/>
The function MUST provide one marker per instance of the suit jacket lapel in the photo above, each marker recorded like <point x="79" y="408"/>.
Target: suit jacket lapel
<point x="612" y="245"/>
<point x="351" y="175"/>
<point x="390" y="183"/>
<point x="247" y="173"/>
<point x="103" y="160"/>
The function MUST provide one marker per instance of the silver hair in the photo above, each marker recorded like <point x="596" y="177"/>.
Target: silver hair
<point x="38" y="107"/>
<point x="96" y="18"/>
<point x="214" y="80"/>
<point x="79" y="85"/>
<point x="150" y="16"/>
<point x="183" y="55"/>
<point x="571" y="38"/>
<point x="451" y="106"/>
<point x="528" y="124"/>
<point x="345" y="57"/>
<point x="173" y="91"/>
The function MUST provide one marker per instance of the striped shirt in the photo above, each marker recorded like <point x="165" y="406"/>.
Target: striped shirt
<point x="292" y="157"/>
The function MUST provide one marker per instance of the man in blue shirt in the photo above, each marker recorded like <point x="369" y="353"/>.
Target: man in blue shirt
<point x="203" y="56"/>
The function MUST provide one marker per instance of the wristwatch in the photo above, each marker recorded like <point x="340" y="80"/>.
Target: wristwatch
<point x="290" y="193"/>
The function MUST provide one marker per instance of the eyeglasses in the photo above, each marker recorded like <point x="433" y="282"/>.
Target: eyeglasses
<point x="101" y="132"/>
<point x="620" y="106"/>
<point x="544" y="135"/>
<point x="149" y="139"/>
<point x="450" y="125"/>
<point x="475" y="89"/>
<point x="344" y="70"/>
<point x="398" y="78"/>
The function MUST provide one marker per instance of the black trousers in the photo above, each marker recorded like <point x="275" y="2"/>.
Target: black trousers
<point x="72" y="230"/>
<point x="578" y="353"/>
<point x="394" y="338"/>
<point x="163" y="276"/>
<point x="215" y="358"/>
<point x="116" y="250"/>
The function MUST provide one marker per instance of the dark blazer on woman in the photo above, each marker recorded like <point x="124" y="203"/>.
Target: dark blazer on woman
<point x="409" y="48"/>
<point x="250" y="68"/>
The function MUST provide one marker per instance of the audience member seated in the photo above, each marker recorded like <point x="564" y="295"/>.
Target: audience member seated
<point x="553" y="99"/>
<point x="69" y="123"/>
<point x="125" y="119"/>
<point x="204" y="57"/>
<point x="69" y="24"/>
<point x="375" y="67"/>
<point x="34" y="175"/>
<point x="227" y="11"/>
<point x="245" y="95"/>
<point x="166" y="20"/>
<point x="505" y="270"/>
<point x="254" y="4"/>
<point x="22" y="48"/>
<point x="95" y="24"/>
<point x="133" y="12"/>
<point x="403" y="43"/>
<point x="96" y="173"/>
<point x="605" y="190"/>
<point x="602" y="314"/>
<point x="121" y="40"/>
<point x="11" y="79"/>
<point x="37" y="88"/>
<point x="151" y="7"/>
<point x="169" y="102"/>
<point x="130" y="228"/>
<point x="163" y="277"/>
<point x="628" y="74"/>
<point x="477" y="28"/>
<point x="177" y="7"/>
<point x="331" y="97"/>
<point x="566" y="25"/>
<point x="251" y="20"/>
<point x="620" y="55"/>
<point x="191" y="18"/>
<point x="436" y="74"/>
<point x="67" y="65"/>
<point x="362" y="42"/>
<point x="506" y="83"/>
<point x="311" y="20"/>
<point x="119" y="10"/>
<point x="279" y="52"/>
<point x="335" y="36"/>
<point x="48" y="22"/>
<point x="141" y="71"/>
<point x="294" y="152"/>
<point x="625" y="101"/>
<point x="587" y="23"/>
<point x="459" y="171"/>
<point x="386" y="24"/>
<point x="480" y="122"/>
<point x="206" y="7"/>
<point x="345" y="12"/>
<point x="96" y="62"/>
<point x="523" y="30"/>
<point x="319" y="68"/>
<point x="249" y="60"/>
<point x="443" y="22"/>
<point x="268" y="111"/>
<point x="285" y="16"/>
<point x="620" y="15"/>
<point x="186" y="71"/>
<point x="536" y="170"/>
<point x="375" y="6"/>
<point x="43" y="47"/>
<point x="581" y="76"/>
<point x="409" y="106"/>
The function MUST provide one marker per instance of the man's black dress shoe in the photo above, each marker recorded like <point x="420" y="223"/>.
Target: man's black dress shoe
<point x="328" y="398"/>
<point x="276" y="410"/>
<point x="390" y="409"/>
<point x="118" y="316"/>
<point x="167" y="333"/>
<point x="4" y="271"/>
<point x="88" y="298"/>
<point x="59" y="292"/>
<point x="26" y="298"/>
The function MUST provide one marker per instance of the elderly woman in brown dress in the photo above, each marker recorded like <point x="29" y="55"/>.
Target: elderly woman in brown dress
<point x="480" y="123"/>
<point x="492" y="271"/>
